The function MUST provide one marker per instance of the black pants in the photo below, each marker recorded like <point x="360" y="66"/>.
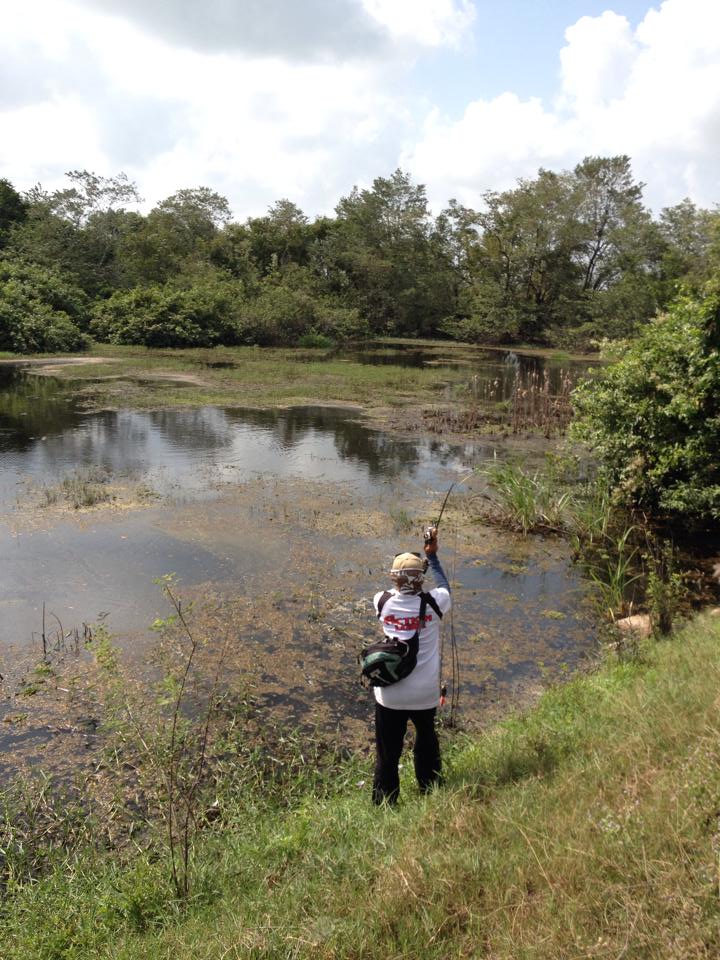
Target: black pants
<point x="390" y="727"/>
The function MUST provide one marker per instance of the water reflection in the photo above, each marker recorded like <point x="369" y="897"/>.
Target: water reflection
<point x="491" y="372"/>
<point x="170" y="448"/>
<point x="32" y="406"/>
<point x="44" y="435"/>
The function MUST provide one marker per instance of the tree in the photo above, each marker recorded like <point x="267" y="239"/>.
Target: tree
<point x="524" y="277"/>
<point x="382" y="253"/>
<point x="13" y="209"/>
<point x="91" y="194"/>
<point x="562" y="258"/>
<point x="79" y="229"/>
<point x="607" y="198"/>
<point x="280" y="238"/>
<point x="179" y="229"/>
<point x="687" y="232"/>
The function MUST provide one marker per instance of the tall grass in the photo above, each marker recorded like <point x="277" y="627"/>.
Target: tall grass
<point x="534" y="405"/>
<point x="614" y="567"/>
<point x="528" y="501"/>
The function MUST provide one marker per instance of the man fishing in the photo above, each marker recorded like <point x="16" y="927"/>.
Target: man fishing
<point x="416" y="696"/>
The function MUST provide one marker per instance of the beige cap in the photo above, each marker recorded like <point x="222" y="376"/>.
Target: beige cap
<point x="407" y="561"/>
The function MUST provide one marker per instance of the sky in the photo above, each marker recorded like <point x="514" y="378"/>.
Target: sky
<point x="302" y="99"/>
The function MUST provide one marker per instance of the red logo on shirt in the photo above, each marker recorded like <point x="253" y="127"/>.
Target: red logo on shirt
<point x="406" y="623"/>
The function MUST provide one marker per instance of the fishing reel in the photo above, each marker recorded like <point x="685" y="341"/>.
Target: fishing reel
<point x="430" y="534"/>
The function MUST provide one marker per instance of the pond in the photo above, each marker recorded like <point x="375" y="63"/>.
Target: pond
<point x="285" y="519"/>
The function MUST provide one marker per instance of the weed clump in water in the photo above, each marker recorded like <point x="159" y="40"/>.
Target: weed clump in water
<point x="85" y="488"/>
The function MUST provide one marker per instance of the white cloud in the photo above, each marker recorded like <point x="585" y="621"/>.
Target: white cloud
<point x="653" y="93"/>
<point x="294" y="29"/>
<point x="91" y="90"/>
<point x="307" y="107"/>
<point x="432" y="23"/>
<point x="304" y="30"/>
<point x="597" y="59"/>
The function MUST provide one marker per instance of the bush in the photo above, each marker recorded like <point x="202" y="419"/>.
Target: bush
<point x="204" y="315"/>
<point x="339" y="323"/>
<point x="213" y="309"/>
<point x="40" y="311"/>
<point x="315" y="341"/>
<point x="281" y="315"/>
<point x="488" y="318"/>
<point x="277" y="316"/>
<point x="653" y="418"/>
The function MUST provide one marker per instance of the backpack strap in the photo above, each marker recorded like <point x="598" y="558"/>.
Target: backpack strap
<point x="382" y="601"/>
<point x="433" y="603"/>
<point x="421" y="614"/>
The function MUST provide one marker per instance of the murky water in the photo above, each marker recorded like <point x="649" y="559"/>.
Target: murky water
<point x="312" y="499"/>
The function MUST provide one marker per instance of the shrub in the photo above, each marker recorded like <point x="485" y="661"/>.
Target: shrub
<point x="40" y="311"/>
<point x="339" y="323"/>
<point x="315" y="341"/>
<point x="204" y="315"/>
<point x="653" y="418"/>
<point x="282" y="315"/>
<point x="279" y="315"/>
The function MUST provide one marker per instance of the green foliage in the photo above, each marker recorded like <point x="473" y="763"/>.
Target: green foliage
<point x="687" y="232"/>
<point x="40" y="310"/>
<point x="566" y="259"/>
<point x="165" y="316"/>
<point x="667" y="589"/>
<point x="79" y="229"/>
<point x="315" y="341"/>
<point x="612" y="565"/>
<point x="606" y="543"/>
<point x="653" y="418"/>
<point x="530" y="502"/>
<point x="13" y="208"/>
<point x="383" y="255"/>
<point x="596" y="788"/>
<point x="560" y="259"/>
<point x="287" y="309"/>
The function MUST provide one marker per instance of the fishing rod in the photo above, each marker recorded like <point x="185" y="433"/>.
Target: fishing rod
<point x="429" y="535"/>
<point x="444" y="503"/>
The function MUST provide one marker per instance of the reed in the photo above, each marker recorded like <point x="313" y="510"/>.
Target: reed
<point x="534" y="406"/>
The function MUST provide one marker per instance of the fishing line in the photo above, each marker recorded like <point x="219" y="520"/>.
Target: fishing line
<point x="454" y="655"/>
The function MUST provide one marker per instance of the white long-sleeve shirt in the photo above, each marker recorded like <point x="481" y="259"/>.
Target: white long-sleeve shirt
<point x="421" y="689"/>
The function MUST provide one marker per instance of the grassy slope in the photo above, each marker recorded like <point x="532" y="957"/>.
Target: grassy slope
<point x="588" y="828"/>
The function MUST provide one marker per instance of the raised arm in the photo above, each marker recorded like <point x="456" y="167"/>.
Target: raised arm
<point x="431" y="546"/>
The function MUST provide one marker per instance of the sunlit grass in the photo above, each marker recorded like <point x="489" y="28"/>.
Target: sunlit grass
<point x="586" y="827"/>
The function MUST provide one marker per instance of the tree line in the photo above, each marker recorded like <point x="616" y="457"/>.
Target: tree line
<point x="564" y="259"/>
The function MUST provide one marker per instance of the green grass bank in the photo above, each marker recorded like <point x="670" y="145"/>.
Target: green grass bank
<point x="588" y="827"/>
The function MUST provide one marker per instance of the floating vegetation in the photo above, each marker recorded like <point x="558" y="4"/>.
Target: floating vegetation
<point x="84" y="488"/>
